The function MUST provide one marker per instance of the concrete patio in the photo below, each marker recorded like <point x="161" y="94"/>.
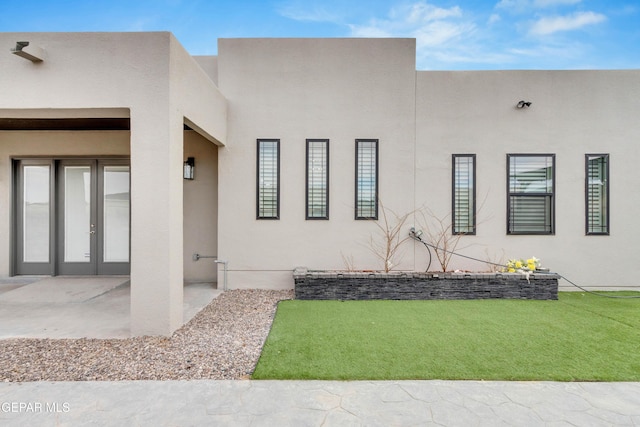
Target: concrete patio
<point x="78" y="306"/>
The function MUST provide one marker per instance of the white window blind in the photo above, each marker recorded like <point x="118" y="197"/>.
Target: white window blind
<point x="268" y="191"/>
<point x="317" y="179"/>
<point x="597" y="197"/>
<point x="531" y="194"/>
<point x="464" y="197"/>
<point x="366" y="179"/>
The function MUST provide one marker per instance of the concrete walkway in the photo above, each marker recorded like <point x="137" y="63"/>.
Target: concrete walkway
<point x="79" y="306"/>
<point x="319" y="403"/>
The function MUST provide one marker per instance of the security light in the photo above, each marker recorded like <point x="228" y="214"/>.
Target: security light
<point x="25" y="50"/>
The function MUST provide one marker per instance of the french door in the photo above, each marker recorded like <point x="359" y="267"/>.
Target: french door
<point x="72" y="216"/>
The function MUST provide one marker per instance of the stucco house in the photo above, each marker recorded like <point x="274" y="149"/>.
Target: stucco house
<point x="294" y="143"/>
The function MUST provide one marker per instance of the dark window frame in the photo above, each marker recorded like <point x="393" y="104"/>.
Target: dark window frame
<point x="607" y="195"/>
<point x="258" y="174"/>
<point x="454" y="209"/>
<point x="551" y="196"/>
<point x="376" y="181"/>
<point x="308" y="208"/>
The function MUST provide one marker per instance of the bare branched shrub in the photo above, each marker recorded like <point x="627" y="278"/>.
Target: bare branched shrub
<point x="495" y="262"/>
<point x="438" y="234"/>
<point x="392" y="227"/>
<point x="348" y="262"/>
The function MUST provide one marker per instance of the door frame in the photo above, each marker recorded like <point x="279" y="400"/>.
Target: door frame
<point x="56" y="218"/>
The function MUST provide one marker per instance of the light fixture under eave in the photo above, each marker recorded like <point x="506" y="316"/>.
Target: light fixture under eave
<point x="28" y="51"/>
<point x="189" y="168"/>
<point x="523" y="104"/>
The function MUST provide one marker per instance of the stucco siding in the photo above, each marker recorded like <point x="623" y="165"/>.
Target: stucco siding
<point x="308" y="88"/>
<point x="200" y="209"/>
<point x="572" y="113"/>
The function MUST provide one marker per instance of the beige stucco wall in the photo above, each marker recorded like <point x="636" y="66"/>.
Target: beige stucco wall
<point x="201" y="210"/>
<point x="572" y="113"/>
<point x="341" y="90"/>
<point x="210" y="66"/>
<point x="293" y="89"/>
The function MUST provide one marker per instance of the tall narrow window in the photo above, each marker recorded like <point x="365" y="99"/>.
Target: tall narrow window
<point x="597" y="193"/>
<point x="366" y="179"/>
<point x="464" y="194"/>
<point x="531" y="188"/>
<point x="268" y="182"/>
<point x="317" y="179"/>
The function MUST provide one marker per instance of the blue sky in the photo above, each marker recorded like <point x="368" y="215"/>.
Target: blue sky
<point x="450" y="34"/>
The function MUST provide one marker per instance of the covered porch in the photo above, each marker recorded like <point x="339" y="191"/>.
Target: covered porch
<point x="159" y="107"/>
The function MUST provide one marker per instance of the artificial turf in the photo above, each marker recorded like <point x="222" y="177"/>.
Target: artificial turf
<point x="580" y="337"/>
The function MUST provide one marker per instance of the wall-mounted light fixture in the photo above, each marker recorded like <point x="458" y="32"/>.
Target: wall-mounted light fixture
<point x="189" y="168"/>
<point x="523" y="104"/>
<point x="27" y="51"/>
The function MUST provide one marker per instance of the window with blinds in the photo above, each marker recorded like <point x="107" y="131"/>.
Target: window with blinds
<point x="366" y="179"/>
<point x="597" y="193"/>
<point x="531" y="188"/>
<point x="268" y="179"/>
<point x="317" y="193"/>
<point x="464" y="194"/>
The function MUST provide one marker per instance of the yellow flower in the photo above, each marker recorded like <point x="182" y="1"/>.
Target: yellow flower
<point x="518" y="264"/>
<point x="511" y="270"/>
<point x="531" y="266"/>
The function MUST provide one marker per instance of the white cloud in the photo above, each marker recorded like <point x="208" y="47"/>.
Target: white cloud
<point x="436" y="34"/>
<point x="314" y="14"/>
<point x="523" y="5"/>
<point x="372" y="30"/>
<point x="494" y="18"/>
<point x="551" y="3"/>
<point x="429" y="24"/>
<point x="424" y="12"/>
<point x="513" y="4"/>
<point x="553" y="24"/>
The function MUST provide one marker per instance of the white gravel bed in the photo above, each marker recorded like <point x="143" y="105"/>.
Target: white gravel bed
<point x="223" y="341"/>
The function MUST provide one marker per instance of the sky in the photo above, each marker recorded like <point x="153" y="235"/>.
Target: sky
<point x="450" y="34"/>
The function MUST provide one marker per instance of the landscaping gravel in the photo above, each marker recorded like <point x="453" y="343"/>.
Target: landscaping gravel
<point x="223" y="341"/>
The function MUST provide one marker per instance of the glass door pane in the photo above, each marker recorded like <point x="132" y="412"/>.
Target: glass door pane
<point x="77" y="214"/>
<point x="35" y="213"/>
<point x="115" y="205"/>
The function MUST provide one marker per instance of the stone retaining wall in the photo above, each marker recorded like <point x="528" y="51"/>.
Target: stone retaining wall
<point x="320" y="285"/>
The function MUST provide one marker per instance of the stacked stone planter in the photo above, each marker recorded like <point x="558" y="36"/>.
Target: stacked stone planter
<point x="332" y="285"/>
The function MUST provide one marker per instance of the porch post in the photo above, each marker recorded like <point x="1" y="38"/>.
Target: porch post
<point x="156" y="222"/>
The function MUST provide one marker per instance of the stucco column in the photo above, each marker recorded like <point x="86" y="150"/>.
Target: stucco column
<point x="156" y="222"/>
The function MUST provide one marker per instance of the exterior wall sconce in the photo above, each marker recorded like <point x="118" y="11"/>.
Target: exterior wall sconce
<point x="189" y="168"/>
<point x="523" y="104"/>
<point x="30" y="52"/>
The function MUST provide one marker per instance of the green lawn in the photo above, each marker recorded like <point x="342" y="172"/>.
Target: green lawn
<point x="580" y="337"/>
